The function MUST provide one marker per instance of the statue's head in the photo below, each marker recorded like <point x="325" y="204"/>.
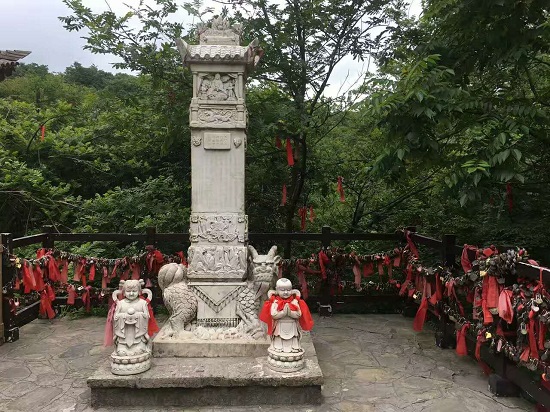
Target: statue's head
<point x="131" y="288"/>
<point x="263" y="267"/>
<point x="284" y="288"/>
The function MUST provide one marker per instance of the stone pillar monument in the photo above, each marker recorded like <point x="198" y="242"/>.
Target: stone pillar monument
<point x="218" y="254"/>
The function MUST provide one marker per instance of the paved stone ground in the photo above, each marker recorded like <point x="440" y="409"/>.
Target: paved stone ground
<point x="370" y="363"/>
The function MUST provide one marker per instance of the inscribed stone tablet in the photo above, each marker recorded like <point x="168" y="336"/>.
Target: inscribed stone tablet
<point x="217" y="141"/>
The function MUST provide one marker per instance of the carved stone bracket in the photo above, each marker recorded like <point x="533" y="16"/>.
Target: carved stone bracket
<point x="218" y="228"/>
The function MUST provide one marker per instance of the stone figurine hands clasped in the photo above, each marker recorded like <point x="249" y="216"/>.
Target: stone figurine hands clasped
<point x="286" y="316"/>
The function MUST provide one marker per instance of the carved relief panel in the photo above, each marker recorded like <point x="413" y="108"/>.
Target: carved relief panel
<point x="217" y="86"/>
<point x="213" y="262"/>
<point x="214" y="228"/>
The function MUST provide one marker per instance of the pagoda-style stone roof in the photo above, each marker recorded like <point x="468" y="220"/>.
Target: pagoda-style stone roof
<point x="8" y="60"/>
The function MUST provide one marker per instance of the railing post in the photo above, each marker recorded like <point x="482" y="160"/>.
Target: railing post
<point x="48" y="242"/>
<point x="325" y="236"/>
<point x="325" y="307"/>
<point x="6" y="315"/>
<point x="448" y="254"/>
<point x="3" y="251"/>
<point x="151" y="235"/>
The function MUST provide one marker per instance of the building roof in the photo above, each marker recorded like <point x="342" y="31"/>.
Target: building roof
<point x="10" y="57"/>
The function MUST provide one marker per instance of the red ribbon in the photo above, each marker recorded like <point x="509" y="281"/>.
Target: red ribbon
<point x="312" y="214"/>
<point x="182" y="257"/>
<point x="154" y="261"/>
<point x="86" y="298"/>
<point x="53" y="269"/>
<point x="71" y="295"/>
<point x="92" y="272"/>
<point x="368" y="269"/>
<point x="481" y="339"/>
<point x="283" y="197"/>
<point x="302" y="212"/>
<point x="323" y="260"/>
<point x="42" y="132"/>
<point x="411" y="244"/>
<point x="47" y="296"/>
<point x="63" y="275"/>
<point x="38" y="277"/>
<point x="105" y="277"/>
<point x="278" y="143"/>
<point x="341" y="189"/>
<point x="461" y="348"/>
<point x="289" y="154"/>
<point x="505" y="310"/>
<point x="509" y="197"/>
<point x="136" y="270"/>
<point x="465" y="260"/>
<point x="420" y="317"/>
<point x="28" y="278"/>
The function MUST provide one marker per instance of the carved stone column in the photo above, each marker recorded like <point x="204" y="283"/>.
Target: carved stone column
<point x="218" y="120"/>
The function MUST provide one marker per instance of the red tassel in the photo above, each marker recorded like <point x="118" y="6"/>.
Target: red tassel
<point x="312" y="214"/>
<point x="341" y="189"/>
<point x="42" y="134"/>
<point x="283" y="198"/>
<point x="278" y="143"/>
<point x="509" y="197"/>
<point x="289" y="154"/>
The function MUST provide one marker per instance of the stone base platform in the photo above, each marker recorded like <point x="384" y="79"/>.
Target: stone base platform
<point x="220" y="381"/>
<point x="198" y="348"/>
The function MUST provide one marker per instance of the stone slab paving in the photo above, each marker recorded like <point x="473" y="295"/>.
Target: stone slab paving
<point x="370" y="362"/>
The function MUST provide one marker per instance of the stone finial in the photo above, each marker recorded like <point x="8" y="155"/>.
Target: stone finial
<point x="220" y="32"/>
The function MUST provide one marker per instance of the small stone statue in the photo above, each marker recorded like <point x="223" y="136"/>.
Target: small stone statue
<point x="286" y="315"/>
<point x="131" y="321"/>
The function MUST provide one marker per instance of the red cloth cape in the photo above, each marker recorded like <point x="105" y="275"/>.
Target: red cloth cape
<point x="306" y="321"/>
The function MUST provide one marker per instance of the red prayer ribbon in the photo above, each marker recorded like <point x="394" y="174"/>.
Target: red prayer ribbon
<point x="289" y="154"/>
<point x="283" y="197"/>
<point x="341" y="189"/>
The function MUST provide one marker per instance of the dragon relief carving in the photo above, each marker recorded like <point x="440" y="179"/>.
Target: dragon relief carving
<point x="217" y="115"/>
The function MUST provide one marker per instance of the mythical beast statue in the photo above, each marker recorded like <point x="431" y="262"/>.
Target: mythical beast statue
<point x="260" y="277"/>
<point x="178" y="298"/>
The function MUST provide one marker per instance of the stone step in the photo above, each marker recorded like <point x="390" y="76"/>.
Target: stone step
<point x="219" y="381"/>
